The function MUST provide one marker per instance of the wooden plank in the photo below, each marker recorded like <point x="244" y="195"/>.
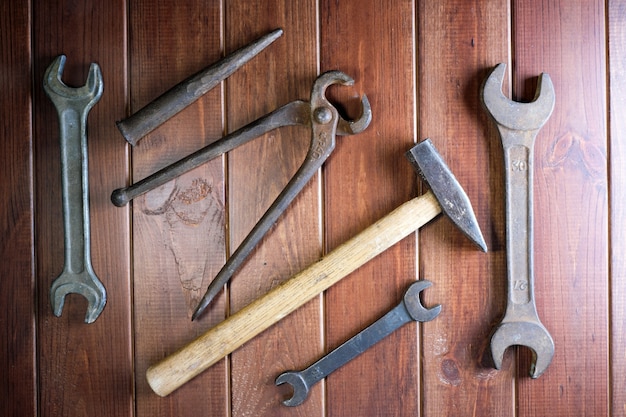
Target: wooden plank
<point x="617" y="143"/>
<point x="18" y="391"/>
<point x="258" y="171"/>
<point x="178" y="229"/>
<point x="365" y="179"/>
<point x="84" y="369"/>
<point x="566" y="39"/>
<point x="459" y="43"/>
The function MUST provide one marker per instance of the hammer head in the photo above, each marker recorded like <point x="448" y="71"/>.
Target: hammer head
<point x="453" y="201"/>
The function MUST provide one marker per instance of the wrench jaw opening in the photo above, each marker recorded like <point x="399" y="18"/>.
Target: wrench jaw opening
<point x="515" y="115"/>
<point x="92" y="289"/>
<point x="414" y="306"/>
<point x="532" y="335"/>
<point x="60" y="93"/>
<point x="299" y="385"/>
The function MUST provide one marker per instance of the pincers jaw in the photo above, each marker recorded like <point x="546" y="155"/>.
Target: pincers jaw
<point x="318" y="99"/>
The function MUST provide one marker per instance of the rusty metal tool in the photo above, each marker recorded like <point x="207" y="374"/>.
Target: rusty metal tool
<point x="518" y="124"/>
<point x="73" y="106"/>
<point x="325" y="123"/>
<point x="170" y="103"/>
<point x="410" y="309"/>
<point x="446" y="195"/>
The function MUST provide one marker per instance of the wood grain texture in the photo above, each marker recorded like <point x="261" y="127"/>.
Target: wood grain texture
<point x="366" y="178"/>
<point x="460" y="43"/>
<point x="421" y="63"/>
<point x="571" y="202"/>
<point x="617" y="207"/>
<point x="258" y="171"/>
<point x="178" y="228"/>
<point x="18" y="389"/>
<point x="81" y="365"/>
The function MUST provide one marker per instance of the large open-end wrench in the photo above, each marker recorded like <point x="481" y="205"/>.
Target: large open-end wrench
<point x="518" y="124"/>
<point x="73" y="105"/>
<point x="410" y="309"/>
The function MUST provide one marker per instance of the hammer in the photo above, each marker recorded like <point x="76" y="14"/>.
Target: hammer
<point x="446" y="195"/>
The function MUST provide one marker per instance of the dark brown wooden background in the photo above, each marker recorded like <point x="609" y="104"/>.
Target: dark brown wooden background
<point x="421" y="64"/>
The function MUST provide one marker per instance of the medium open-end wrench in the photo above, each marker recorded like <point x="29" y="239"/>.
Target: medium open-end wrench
<point x="73" y="105"/>
<point x="410" y="309"/>
<point x="518" y="124"/>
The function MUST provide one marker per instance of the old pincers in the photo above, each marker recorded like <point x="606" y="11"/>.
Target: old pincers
<point x="518" y="124"/>
<point x="325" y="123"/>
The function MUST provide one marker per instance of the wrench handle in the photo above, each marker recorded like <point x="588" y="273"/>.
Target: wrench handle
<point x="359" y="343"/>
<point x="75" y="189"/>
<point x="180" y="367"/>
<point x="518" y="160"/>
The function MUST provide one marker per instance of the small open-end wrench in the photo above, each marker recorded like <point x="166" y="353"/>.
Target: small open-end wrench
<point x="73" y="105"/>
<point x="325" y="123"/>
<point x="518" y="124"/>
<point x="410" y="309"/>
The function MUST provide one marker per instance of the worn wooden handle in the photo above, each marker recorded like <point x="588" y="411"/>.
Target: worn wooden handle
<point x="180" y="367"/>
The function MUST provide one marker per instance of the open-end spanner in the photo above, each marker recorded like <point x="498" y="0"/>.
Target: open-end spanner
<point x="410" y="309"/>
<point x="325" y="123"/>
<point x="518" y="124"/>
<point x="73" y="106"/>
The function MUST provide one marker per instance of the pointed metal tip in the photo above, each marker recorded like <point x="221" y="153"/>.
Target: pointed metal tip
<point x="197" y="312"/>
<point x="479" y="241"/>
<point x="276" y="33"/>
<point x="214" y="288"/>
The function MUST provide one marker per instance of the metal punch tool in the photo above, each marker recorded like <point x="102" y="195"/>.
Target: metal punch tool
<point x="177" y="98"/>
<point x="325" y="123"/>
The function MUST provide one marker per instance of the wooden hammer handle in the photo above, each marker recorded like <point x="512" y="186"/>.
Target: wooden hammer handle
<point x="180" y="367"/>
